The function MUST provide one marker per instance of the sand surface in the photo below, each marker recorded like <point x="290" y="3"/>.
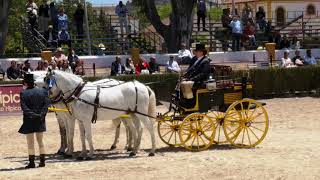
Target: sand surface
<point x="291" y="150"/>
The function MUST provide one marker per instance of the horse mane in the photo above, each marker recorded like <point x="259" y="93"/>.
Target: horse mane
<point x="66" y="74"/>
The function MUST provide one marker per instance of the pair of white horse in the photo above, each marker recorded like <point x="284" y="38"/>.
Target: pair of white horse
<point x="114" y="94"/>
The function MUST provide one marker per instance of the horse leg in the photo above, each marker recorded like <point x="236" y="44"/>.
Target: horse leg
<point x="149" y="125"/>
<point x="128" y="146"/>
<point x="63" y="139"/>
<point x="83" y="153"/>
<point x="117" y="123"/>
<point x="70" y="134"/>
<point x="87" y="125"/>
<point x="139" y="130"/>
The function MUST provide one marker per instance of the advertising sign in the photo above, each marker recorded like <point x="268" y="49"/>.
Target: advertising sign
<point x="10" y="100"/>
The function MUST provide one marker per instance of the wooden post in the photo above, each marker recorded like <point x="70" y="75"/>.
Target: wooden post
<point x="94" y="69"/>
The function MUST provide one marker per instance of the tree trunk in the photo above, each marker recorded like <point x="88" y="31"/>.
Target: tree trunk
<point x="181" y="22"/>
<point x="4" y="4"/>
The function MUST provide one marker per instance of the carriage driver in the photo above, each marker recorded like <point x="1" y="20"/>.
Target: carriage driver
<point x="34" y="104"/>
<point x="198" y="72"/>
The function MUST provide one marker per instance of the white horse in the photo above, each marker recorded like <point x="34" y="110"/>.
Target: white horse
<point x="134" y="98"/>
<point x="66" y="121"/>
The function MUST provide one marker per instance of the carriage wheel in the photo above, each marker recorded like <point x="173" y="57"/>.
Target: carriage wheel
<point x="197" y="132"/>
<point x="218" y="119"/>
<point x="246" y="123"/>
<point x="168" y="130"/>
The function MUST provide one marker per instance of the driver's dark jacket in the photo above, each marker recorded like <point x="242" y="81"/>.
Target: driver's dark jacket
<point x="199" y="73"/>
<point x="34" y="104"/>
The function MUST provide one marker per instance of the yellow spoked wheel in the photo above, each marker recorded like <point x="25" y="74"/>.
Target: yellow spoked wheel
<point x="197" y="132"/>
<point x="218" y="119"/>
<point x="168" y="130"/>
<point x="246" y="123"/>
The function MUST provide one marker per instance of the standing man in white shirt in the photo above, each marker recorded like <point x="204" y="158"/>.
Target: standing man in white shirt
<point x="172" y="65"/>
<point x="184" y="54"/>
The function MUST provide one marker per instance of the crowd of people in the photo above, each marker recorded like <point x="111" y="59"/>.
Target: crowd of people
<point x="142" y="66"/>
<point x="243" y="30"/>
<point x="53" y="23"/>
<point x="298" y="60"/>
<point x="70" y="63"/>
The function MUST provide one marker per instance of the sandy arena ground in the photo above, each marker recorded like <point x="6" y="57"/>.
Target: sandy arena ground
<point x="291" y="150"/>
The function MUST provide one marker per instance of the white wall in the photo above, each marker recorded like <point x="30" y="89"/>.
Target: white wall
<point x="217" y="58"/>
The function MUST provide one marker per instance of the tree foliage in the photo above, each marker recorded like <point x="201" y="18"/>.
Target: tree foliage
<point x="181" y="21"/>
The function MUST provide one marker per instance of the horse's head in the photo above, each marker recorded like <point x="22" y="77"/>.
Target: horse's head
<point x="51" y="84"/>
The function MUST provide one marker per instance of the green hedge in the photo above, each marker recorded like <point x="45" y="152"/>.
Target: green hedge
<point x="275" y="81"/>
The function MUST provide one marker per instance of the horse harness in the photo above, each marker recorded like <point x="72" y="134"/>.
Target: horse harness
<point x="75" y="95"/>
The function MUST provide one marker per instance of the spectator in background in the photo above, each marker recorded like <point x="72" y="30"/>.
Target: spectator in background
<point x="31" y="4"/>
<point x="286" y="61"/>
<point x="153" y="65"/>
<point x="116" y="67"/>
<point x="79" y="68"/>
<point x="72" y="59"/>
<point x="45" y="65"/>
<point x="249" y="34"/>
<point x="53" y="65"/>
<point x="294" y="43"/>
<point x="226" y="18"/>
<point x="122" y="11"/>
<point x="236" y="33"/>
<point x="13" y="72"/>
<point x="184" y="55"/>
<point x="78" y="18"/>
<point x="129" y="67"/>
<point x="247" y="14"/>
<point x="59" y="56"/>
<point x="33" y="19"/>
<point x="27" y="67"/>
<point x="51" y="37"/>
<point x="2" y="72"/>
<point x="277" y="39"/>
<point x="309" y="59"/>
<point x="201" y="13"/>
<point x="65" y="67"/>
<point x="53" y="17"/>
<point x="44" y="16"/>
<point x="62" y="20"/>
<point x="297" y="59"/>
<point x="285" y="43"/>
<point x="172" y="65"/>
<point x="64" y="38"/>
<point x="101" y="49"/>
<point x="142" y="67"/>
<point x="40" y="66"/>
<point x="261" y="18"/>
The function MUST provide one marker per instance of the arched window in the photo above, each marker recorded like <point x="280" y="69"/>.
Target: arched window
<point x="281" y="19"/>
<point x="311" y="10"/>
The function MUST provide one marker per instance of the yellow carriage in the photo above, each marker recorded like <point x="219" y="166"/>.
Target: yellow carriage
<point x="221" y="115"/>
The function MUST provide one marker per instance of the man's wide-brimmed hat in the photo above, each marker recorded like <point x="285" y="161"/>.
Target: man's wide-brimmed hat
<point x="101" y="46"/>
<point x="28" y="78"/>
<point x="200" y="47"/>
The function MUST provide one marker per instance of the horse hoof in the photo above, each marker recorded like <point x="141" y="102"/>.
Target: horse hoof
<point x="151" y="154"/>
<point x="132" y="154"/>
<point x="60" y="152"/>
<point x="67" y="156"/>
<point x="79" y="158"/>
<point x="129" y="149"/>
<point x="113" y="147"/>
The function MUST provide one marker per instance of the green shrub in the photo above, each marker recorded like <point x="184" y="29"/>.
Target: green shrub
<point x="215" y="13"/>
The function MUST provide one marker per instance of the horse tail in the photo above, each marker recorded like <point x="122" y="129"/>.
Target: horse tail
<point x="152" y="103"/>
